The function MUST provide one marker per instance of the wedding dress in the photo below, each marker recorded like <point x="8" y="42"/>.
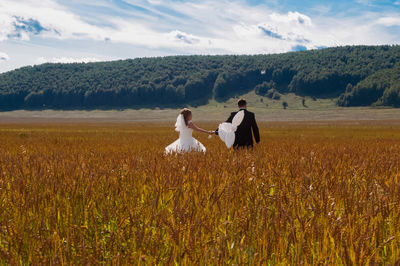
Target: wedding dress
<point x="226" y="131"/>
<point x="185" y="142"/>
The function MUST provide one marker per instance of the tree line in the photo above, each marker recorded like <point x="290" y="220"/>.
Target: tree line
<point x="354" y="75"/>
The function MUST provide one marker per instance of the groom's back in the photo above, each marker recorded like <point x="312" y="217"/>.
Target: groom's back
<point x="243" y="133"/>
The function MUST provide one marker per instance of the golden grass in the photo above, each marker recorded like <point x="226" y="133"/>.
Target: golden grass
<point x="93" y="194"/>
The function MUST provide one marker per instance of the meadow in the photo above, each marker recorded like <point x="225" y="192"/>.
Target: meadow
<point x="105" y="193"/>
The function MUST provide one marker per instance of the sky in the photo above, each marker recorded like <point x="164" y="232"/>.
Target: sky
<point x="33" y="32"/>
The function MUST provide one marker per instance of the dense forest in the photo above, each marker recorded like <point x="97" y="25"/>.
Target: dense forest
<point x="354" y="75"/>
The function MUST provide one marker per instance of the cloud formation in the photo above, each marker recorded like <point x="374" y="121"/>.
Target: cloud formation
<point x="389" y="21"/>
<point x="187" y="27"/>
<point x="4" y="57"/>
<point x="42" y="60"/>
<point x="226" y="26"/>
<point x="22" y="19"/>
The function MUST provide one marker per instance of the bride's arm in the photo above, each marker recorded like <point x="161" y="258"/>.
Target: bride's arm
<point x="196" y="128"/>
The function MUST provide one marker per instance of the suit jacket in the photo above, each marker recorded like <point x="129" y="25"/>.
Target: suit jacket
<point x="243" y="134"/>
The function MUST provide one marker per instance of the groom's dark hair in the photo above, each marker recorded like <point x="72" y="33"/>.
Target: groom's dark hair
<point x="242" y="102"/>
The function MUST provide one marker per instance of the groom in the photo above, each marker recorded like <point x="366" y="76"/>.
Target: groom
<point x="243" y="136"/>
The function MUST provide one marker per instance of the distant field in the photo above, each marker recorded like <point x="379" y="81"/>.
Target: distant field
<point x="105" y="193"/>
<point x="266" y="110"/>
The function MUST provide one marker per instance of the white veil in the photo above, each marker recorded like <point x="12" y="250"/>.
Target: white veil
<point x="226" y="131"/>
<point x="180" y="123"/>
<point x="238" y="119"/>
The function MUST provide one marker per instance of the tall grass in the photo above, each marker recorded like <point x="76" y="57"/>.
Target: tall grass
<point x="95" y="194"/>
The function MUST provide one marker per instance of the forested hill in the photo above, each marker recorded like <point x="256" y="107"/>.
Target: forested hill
<point x="357" y="75"/>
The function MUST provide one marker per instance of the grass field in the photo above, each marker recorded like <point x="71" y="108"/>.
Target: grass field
<point x="266" y="110"/>
<point x="106" y="193"/>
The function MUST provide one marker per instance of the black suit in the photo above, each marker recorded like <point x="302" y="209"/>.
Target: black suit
<point x="243" y="136"/>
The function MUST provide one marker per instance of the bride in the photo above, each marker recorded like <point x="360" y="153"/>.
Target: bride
<point x="185" y="126"/>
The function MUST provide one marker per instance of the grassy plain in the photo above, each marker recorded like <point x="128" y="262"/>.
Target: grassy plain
<point x="326" y="193"/>
<point x="265" y="108"/>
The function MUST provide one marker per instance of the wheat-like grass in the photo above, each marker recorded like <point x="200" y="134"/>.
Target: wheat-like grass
<point x="107" y="194"/>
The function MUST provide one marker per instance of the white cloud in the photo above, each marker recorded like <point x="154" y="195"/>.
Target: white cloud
<point x="291" y="18"/>
<point x="58" y="22"/>
<point x="4" y="57"/>
<point x="223" y="26"/>
<point x="183" y="37"/>
<point x="178" y="27"/>
<point x="42" y="60"/>
<point x="389" y="21"/>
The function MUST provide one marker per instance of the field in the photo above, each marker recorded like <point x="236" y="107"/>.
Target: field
<point x="322" y="193"/>
<point x="265" y="108"/>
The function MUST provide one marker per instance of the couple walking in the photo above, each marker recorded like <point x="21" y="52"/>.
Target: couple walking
<point x="237" y="131"/>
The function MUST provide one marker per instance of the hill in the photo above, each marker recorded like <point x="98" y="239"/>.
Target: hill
<point x="352" y="75"/>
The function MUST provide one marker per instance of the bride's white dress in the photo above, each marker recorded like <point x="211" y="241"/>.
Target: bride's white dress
<point x="185" y="142"/>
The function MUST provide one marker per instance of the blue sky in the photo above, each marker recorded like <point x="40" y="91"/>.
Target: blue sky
<point x="38" y="31"/>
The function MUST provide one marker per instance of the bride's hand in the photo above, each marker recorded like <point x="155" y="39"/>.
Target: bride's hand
<point x="211" y="133"/>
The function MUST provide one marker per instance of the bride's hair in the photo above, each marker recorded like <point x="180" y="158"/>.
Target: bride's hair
<point x="186" y="113"/>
